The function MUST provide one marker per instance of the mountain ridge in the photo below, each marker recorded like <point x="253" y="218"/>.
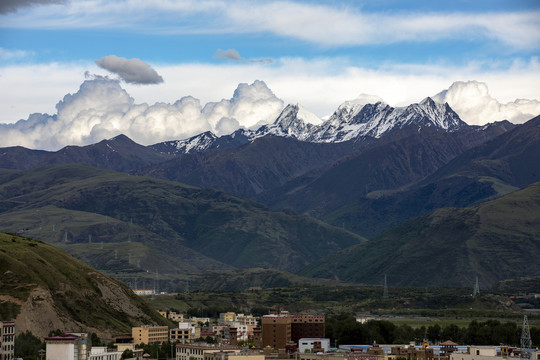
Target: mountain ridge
<point x="482" y="241"/>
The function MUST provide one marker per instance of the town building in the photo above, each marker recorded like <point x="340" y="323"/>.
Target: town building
<point x="483" y="353"/>
<point x="124" y="343"/>
<point x="313" y="345"/>
<point x="7" y="340"/>
<point x="225" y="318"/>
<point x="276" y="330"/>
<point x="203" y="351"/>
<point x="226" y="355"/>
<point x="185" y="332"/>
<point x="144" y="292"/>
<point x="102" y="353"/>
<point x="280" y="330"/>
<point x="149" y="334"/>
<point x="71" y="346"/>
<point x="174" y="316"/>
<point x="306" y="326"/>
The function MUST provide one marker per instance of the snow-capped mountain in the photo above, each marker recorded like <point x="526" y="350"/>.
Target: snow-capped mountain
<point x="358" y="119"/>
<point x="294" y="121"/>
<point x="367" y="116"/>
<point x="195" y="143"/>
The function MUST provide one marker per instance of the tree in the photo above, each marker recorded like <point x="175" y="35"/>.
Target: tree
<point x="27" y="346"/>
<point x="96" y="341"/>
<point x="127" y="354"/>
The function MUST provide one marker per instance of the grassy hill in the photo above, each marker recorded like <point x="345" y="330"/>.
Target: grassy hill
<point x="496" y="240"/>
<point x="74" y="204"/>
<point x="44" y="289"/>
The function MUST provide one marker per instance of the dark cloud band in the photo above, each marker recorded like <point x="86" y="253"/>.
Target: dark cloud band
<point x="7" y="6"/>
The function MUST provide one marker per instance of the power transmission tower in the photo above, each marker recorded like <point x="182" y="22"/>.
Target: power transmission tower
<point x="525" y="337"/>
<point x="476" y="291"/>
<point x="385" y="291"/>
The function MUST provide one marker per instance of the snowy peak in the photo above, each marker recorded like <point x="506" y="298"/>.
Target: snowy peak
<point x="193" y="144"/>
<point x="349" y="109"/>
<point x="353" y="120"/>
<point x="294" y="121"/>
<point x="439" y="115"/>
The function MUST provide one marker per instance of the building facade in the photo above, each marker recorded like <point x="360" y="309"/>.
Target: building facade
<point x="7" y="340"/>
<point x="101" y="353"/>
<point x="202" y="352"/>
<point x="149" y="334"/>
<point x="185" y="332"/>
<point x="73" y="346"/>
<point x="306" y="326"/>
<point x="280" y="330"/>
<point x="313" y="345"/>
<point x="276" y="330"/>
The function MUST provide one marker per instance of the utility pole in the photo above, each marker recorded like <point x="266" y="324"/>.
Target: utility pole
<point x="385" y="291"/>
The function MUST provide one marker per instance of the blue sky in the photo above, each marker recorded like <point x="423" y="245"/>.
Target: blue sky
<point x="322" y="52"/>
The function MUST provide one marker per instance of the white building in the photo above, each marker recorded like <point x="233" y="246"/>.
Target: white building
<point x="478" y="353"/>
<point x="202" y="352"/>
<point x="101" y="353"/>
<point x="67" y="347"/>
<point x="144" y="292"/>
<point x="308" y="344"/>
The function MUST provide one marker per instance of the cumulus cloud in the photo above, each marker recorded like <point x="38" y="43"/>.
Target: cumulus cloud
<point x="133" y="71"/>
<point x="232" y="54"/>
<point x="7" y="6"/>
<point x="101" y="108"/>
<point x="473" y="103"/>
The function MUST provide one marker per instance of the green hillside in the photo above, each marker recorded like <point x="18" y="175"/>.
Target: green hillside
<point x="77" y="207"/>
<point x="45" y="289"/>
<point x="496" y="240"/>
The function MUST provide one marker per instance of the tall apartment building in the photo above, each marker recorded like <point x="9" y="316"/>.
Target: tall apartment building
<point x="149" y="334"/>
<point x="7" y="340"/>
<point x="306" y="326"/>
<point x="278" y="330"/>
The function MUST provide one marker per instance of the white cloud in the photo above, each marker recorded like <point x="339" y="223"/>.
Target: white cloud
<point x="320" y="85"/>
<point x="338" y="25"/>
<point x="102" y="109"/>
<point x="14" y="54"/>
<point x="133" y="71"/>
<point x="473" y="103"/>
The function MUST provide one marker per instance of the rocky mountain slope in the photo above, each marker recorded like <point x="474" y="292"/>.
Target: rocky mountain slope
<point x="44" y="289"/>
